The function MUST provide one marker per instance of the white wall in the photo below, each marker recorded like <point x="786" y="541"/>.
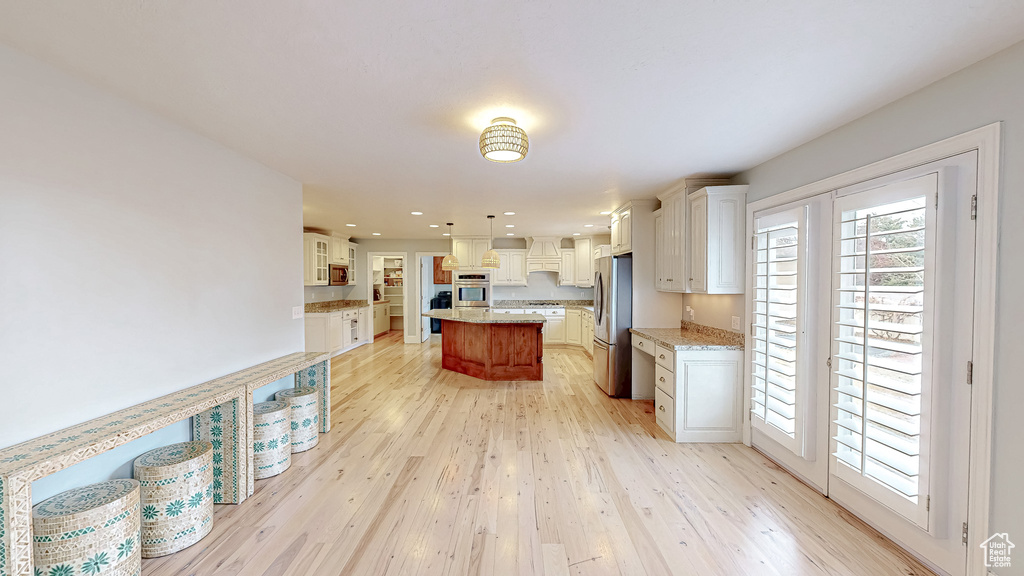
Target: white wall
<point x="989" y="91"/>
<point x="137" y="259"/>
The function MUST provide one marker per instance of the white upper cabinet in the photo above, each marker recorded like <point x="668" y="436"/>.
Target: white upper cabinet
<point x="339" y="250"/>
<point x="470" y="250"/>
<point x="716" y="239"/>
<point x="567" y="275"/>
<point x="670" y="243"/>
<point x="315" y="264"/>
<point x="584" y="271"/>
<point x="353" y="263"/>
<point x="513" y="269"/>
<point x="622" y="230"/>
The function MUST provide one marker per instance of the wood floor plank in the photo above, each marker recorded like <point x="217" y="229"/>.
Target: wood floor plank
<point x="428" y="472"/>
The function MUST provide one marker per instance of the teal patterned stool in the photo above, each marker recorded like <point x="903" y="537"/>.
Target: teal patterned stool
<point x="89" y="530"/>
<point x="177" y="496"/>
<point x="271" y="439"/>
<point x="305" y="419"/>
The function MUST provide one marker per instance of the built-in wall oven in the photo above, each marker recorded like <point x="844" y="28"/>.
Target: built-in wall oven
<point x="471" y="289"/>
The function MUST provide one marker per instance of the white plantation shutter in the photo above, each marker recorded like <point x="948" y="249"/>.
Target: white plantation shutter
<point x="883" y="263"/>
<point x="777" y="303"/>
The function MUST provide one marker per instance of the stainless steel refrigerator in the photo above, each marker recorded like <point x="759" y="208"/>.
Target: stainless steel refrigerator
<point x="613" y="317"/>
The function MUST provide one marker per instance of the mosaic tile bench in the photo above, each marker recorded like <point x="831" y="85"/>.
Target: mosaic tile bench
<point x="219" y="410"/>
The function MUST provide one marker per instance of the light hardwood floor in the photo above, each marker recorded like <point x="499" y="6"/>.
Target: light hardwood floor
<point x="430" y="472"/>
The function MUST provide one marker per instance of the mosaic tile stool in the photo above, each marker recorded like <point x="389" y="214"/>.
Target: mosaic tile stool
<point x="305" y="421"/>
<point x="88" y="530"/>
<point x="177" y="496"/>
<point x="271" y="446"/>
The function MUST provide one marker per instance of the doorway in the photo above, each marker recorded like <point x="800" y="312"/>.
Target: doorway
<point x="862" y="305"/>
<point x="433" y="291"/>
<point x="388" y="271"/>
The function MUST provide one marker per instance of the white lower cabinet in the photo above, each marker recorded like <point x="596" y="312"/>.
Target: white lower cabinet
<point x="698" y="394"/>
<point x="573" y="327"/>
<point x="337" y="332"/>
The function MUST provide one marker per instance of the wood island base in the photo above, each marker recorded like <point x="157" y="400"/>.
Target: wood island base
<point x="493" y="351"/>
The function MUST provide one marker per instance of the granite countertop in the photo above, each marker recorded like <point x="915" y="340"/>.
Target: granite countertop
<point x="381" y="301"/>
<point x="587" y="304"/>
<point x="693" y="337"/>
<point x="484" y="317"/>
<point x="334" y="306"/>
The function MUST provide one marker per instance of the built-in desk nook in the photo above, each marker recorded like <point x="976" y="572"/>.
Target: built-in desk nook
<point x="492" y="346"/>
<point x="221" y="412"/>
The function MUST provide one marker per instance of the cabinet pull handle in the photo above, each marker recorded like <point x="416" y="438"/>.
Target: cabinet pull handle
<point x="661" y="378"/>
<point x="662" y="356"/>
<point x="641" y="344"/>
<point x="662" y="408"/>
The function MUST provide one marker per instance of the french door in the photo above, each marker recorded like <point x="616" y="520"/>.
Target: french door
<point x="859" y="383"/>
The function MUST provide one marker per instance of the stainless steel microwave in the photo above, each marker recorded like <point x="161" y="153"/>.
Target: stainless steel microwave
<point x="339" y="275"/>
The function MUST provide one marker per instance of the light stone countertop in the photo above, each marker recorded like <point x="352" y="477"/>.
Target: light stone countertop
<point x="505" y="304"/>
<point x="333" y="306"/>
<point x="684" y="339"/>
<point x="485" y="317"/>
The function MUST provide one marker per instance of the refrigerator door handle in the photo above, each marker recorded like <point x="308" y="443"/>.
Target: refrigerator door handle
<point x="599" y="297"/>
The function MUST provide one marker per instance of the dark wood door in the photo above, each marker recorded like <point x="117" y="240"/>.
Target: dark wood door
<point x="441" y="276"/>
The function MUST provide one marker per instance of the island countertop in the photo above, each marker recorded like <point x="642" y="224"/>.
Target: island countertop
<point x="484" y="317"/>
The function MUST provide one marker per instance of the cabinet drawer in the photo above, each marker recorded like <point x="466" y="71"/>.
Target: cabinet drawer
<point x="643" y="344"/>
<point x="665" y="380"/>
<point x="665" y="412"/>
<point x="665" y="357"/>
<point x="351" y="314"/>
<point x="552" y="311"/>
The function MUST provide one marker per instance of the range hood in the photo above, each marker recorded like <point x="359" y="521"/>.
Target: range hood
<point x="545" y="254"/>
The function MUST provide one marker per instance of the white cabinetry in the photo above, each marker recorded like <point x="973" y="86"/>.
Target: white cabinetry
<point x="567" y="273"/>
<point x="573" y="327"/>
<point x="381" y="319"/>
<point x="337" y="332"/>
<point x="622" y="230"/>
<point x="470" y="250"/>
<point x="353" y="264"/>
<point x="716" y="233"/>
<point x="339" y="250"/>
<point x="554" y="328"/>
<point x="697" y="393"/>
<point x="584" y="270"/>
<point x="587" y="331"/>
<point x="512" y="271"/>
<point x="670" y="243"/>
<point x="315" y="263"/>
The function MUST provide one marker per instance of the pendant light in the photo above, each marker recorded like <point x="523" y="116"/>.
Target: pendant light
<point x="450" y="262"/>
<point x="491" y="258"/>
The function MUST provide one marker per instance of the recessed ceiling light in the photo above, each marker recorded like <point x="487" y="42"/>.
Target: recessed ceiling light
<point x="350" y="225"/>
<point x="416" y="213"/>
<point x="575" y="233"/>
<point x="509" y="234"/>
<point x="433" y="225"/>
<point x="445" y="234"/>
<point x="588" y="225"/>
<point x="606" y="212"/>
<point x="376" y="233"/>
<point x="509" y="213"/>
<point x="510" y="225"/>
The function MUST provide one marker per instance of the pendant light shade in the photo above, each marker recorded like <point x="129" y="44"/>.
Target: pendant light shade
<point x="450" y="262"/>
<point x="491" y="258"/>
<point x="503" y="141"/>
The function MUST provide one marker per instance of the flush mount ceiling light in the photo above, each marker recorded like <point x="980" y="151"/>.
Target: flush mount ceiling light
<point x="416" y="213"/>
<point x="433" y="226"/>
<point x="503" y="141"/>
<point x="491" y="258"/>
<point x="350" y="225"/>
<point x="450" y="262"/>
<point x="509" y="213"/>
<point x="376" y="233"/>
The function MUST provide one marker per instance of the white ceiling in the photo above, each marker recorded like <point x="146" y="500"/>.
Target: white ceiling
<point x="377" y="106"/>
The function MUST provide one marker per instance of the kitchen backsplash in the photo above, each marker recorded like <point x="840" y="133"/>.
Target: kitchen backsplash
<point x="328" y="293"/>
<point x="542" y="286"/>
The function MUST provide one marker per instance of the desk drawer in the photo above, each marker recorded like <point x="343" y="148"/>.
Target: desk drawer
<point x="643" y="344"/>
<point x="665" y="357"/>
<point x="665" y="412"/>
<point x="665" y="380"/>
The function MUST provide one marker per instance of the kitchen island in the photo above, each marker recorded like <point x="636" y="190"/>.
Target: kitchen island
<point x="491" y="346"/>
